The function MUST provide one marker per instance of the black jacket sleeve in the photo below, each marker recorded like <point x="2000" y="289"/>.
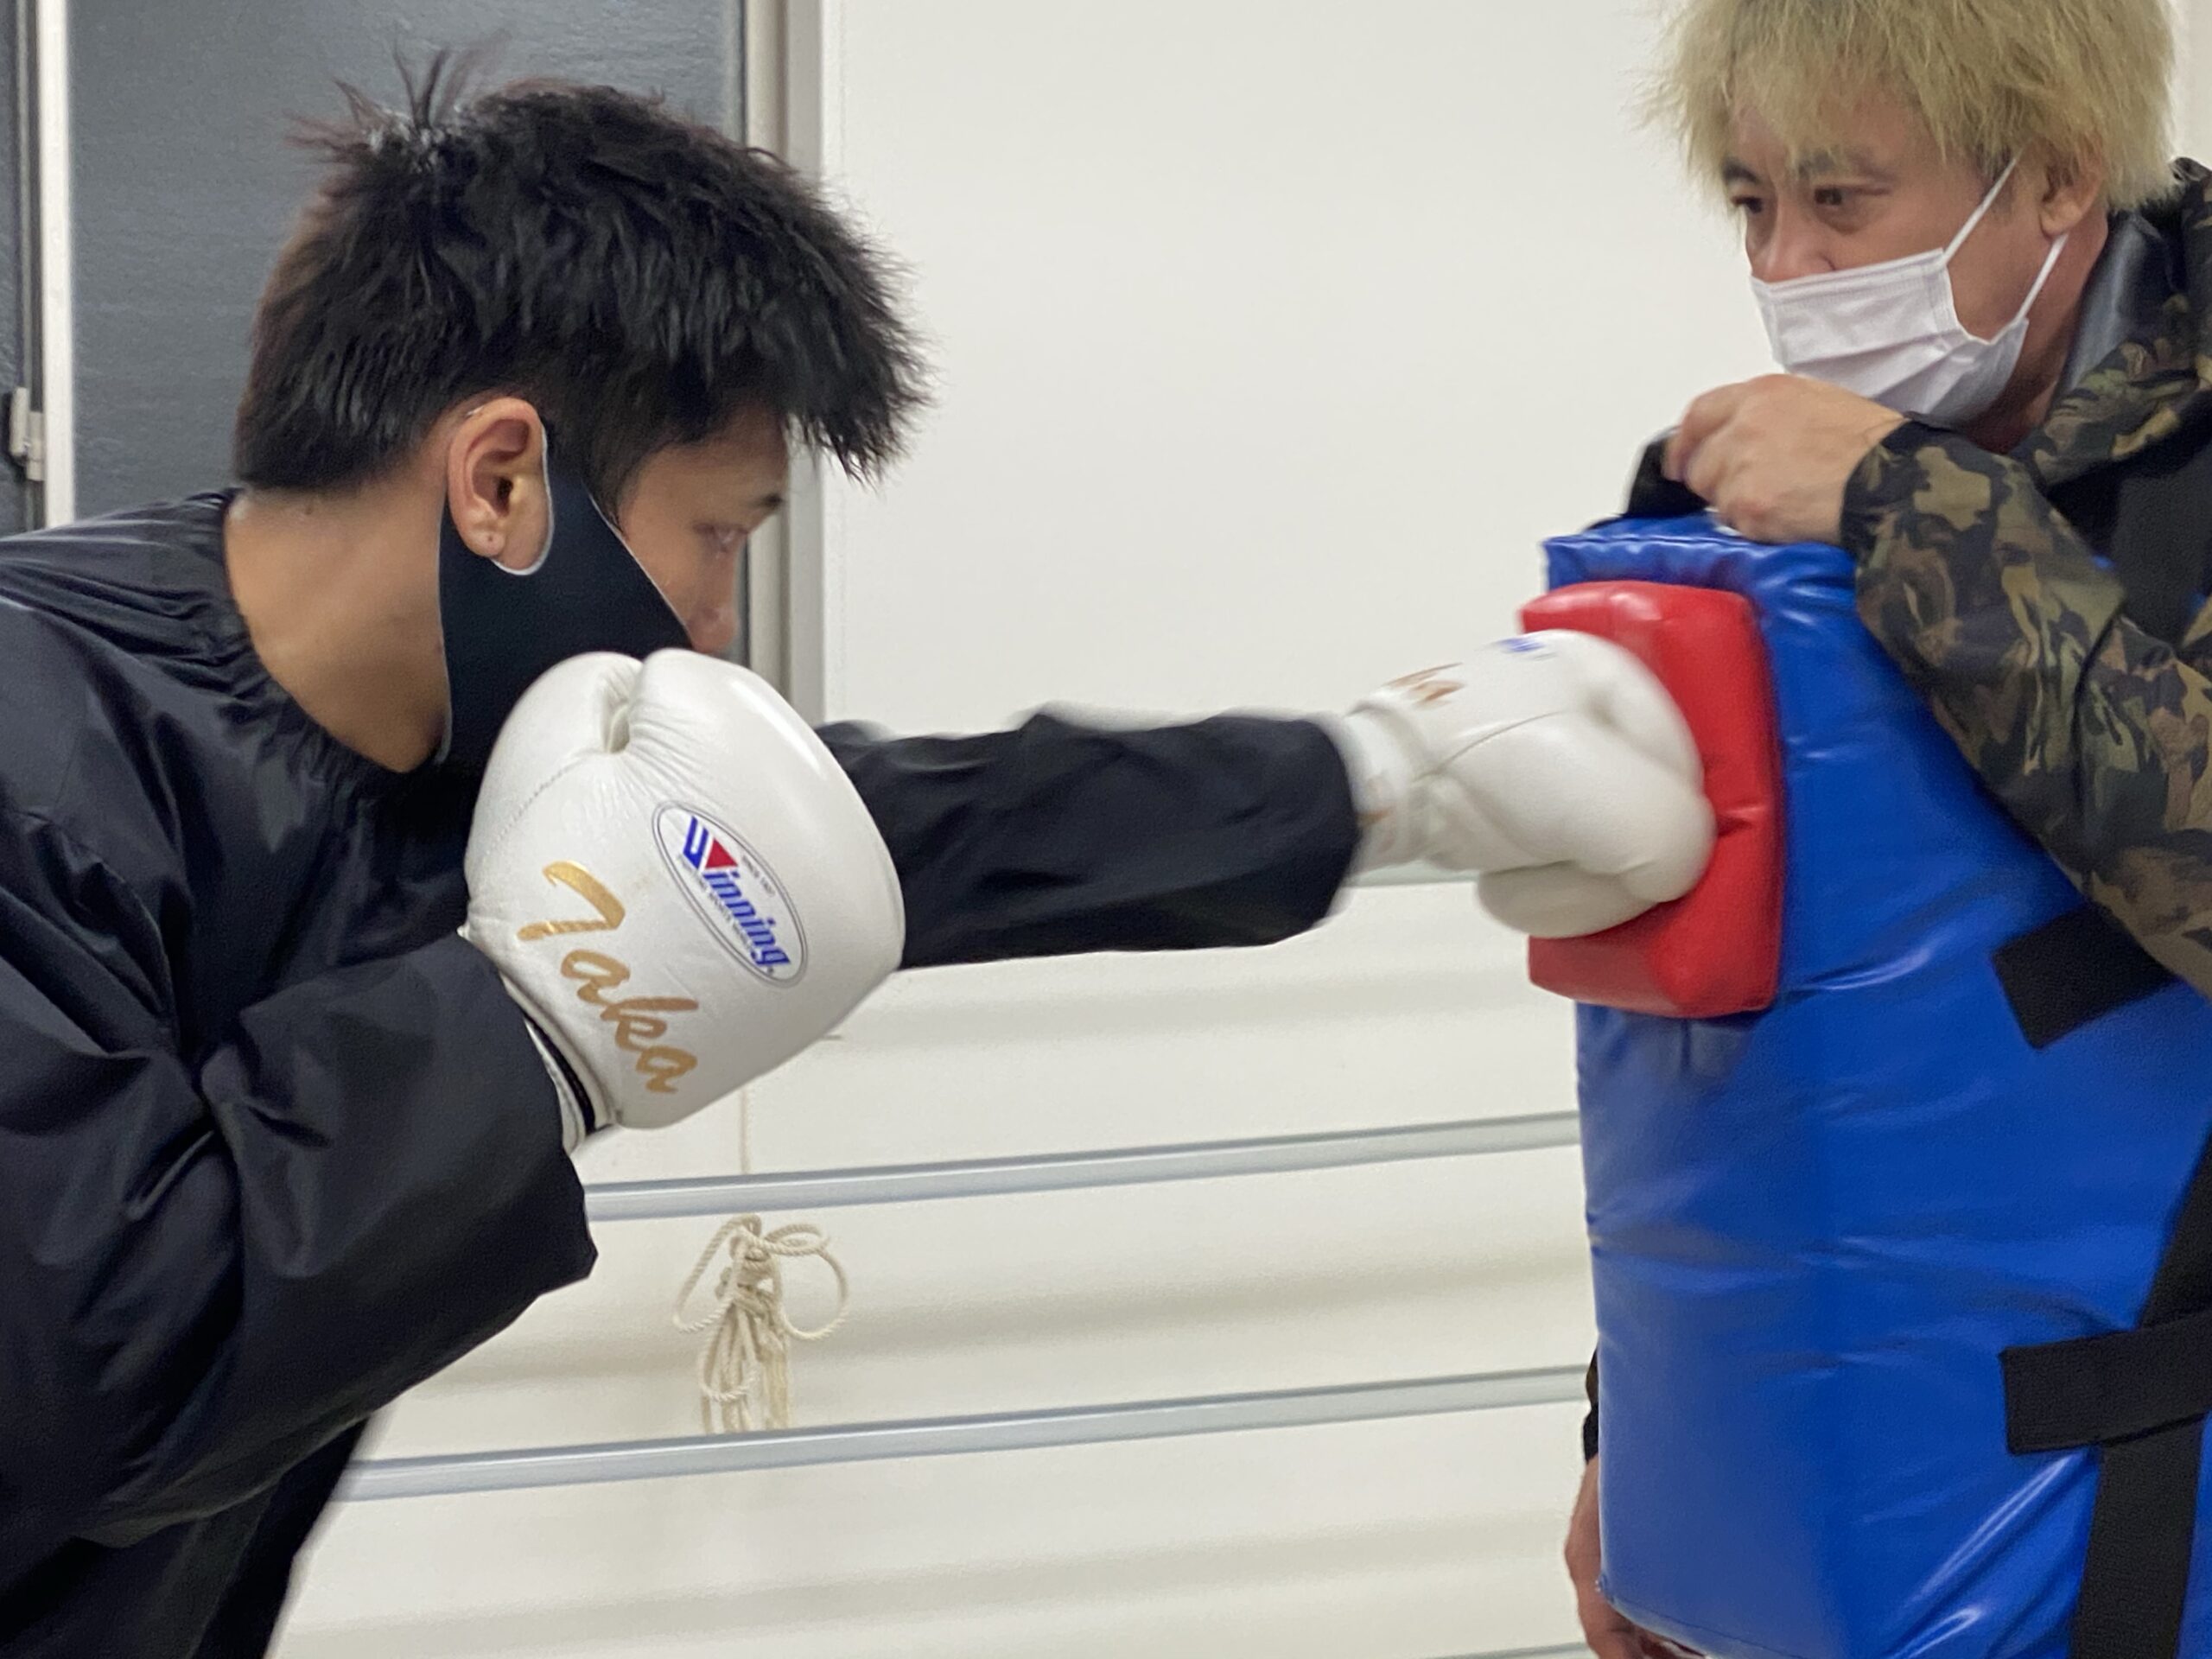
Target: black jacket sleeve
<point x="1058" y="837"/>
<point x="219" y="1264"/>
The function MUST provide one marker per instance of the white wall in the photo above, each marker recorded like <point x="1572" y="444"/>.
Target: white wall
<point x="2195" y="101"/>
<point x="1274" y="334"/>
<point x="1273" y="337"/>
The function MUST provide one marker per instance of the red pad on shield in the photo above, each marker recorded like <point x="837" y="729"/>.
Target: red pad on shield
<point x="1717" y="950"/>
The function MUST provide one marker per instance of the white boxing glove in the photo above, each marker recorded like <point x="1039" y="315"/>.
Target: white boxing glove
<point x="1554" y="765"/>
<point x="680" y="886"/>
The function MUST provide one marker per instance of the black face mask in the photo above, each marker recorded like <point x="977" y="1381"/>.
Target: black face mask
<point x="505" y="628"/>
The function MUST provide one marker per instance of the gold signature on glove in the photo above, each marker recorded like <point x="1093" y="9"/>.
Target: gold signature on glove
<point x="1427" y="685"/>
<point x="637" y="1019"/>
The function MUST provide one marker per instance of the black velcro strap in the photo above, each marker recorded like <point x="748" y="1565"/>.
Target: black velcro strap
<point x="2094" y="1391"/>
<point x="2142" y="1396"/>
<point x="2142" y="1532"/>
<point x="2077" y="966"/>
<point x="1652" y="494"/>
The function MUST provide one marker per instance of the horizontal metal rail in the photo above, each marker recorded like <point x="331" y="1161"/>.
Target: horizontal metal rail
<point x="454" y="1474"/>
<point x="1017" y="1431"/>
<point x="829" y="1189"/>
<point x="663" y="1200"/>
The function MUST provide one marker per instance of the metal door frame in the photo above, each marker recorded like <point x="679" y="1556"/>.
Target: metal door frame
<point x="791" y="87"/>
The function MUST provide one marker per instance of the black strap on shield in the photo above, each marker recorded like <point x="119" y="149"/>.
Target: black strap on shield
<point x="2141" y="1397"/>
<point x="2077" y="966"/>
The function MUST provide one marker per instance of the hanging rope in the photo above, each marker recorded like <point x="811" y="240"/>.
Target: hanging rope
<point x="745" y="1378"/>
<point x="744" y="1374"/>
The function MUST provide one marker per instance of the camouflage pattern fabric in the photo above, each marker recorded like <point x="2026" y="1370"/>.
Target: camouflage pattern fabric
<point x="2097" y="736"/>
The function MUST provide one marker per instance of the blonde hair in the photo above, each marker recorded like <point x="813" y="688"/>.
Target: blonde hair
<point x="2074" y="81"/>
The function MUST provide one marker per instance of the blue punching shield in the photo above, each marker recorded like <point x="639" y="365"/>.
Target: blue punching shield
<point x="1816" y="1230"/>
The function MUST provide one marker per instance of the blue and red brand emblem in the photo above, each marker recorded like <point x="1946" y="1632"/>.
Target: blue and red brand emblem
<point x="735" y="891"/>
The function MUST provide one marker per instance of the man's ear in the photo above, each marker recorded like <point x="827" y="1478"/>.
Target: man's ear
<point x="495" y="482"/>
<point x="2073" y="189"/>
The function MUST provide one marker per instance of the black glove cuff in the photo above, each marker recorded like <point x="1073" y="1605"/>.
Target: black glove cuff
<point x="579" y="1115"/>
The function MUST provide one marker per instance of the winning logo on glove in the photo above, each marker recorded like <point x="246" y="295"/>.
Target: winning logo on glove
<point x="735" y="891"/>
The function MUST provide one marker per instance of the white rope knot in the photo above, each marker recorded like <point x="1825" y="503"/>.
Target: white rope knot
<point x="744" y="1377"/>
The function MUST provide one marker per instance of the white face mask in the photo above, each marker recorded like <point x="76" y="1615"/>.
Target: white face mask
<point x="1892" y="332"/>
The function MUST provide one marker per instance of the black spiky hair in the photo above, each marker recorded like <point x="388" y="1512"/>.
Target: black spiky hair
<point x="640" y="278"/>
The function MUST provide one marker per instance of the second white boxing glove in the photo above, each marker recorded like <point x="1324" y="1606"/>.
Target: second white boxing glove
<point x="681" y="888"/>
<point x="1554" y="765"/>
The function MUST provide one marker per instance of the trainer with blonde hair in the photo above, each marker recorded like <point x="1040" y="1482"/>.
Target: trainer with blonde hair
<point x="1989" y="288"/>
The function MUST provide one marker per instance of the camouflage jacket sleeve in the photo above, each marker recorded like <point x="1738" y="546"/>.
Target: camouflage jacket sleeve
<point x="2095" y="735"/>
